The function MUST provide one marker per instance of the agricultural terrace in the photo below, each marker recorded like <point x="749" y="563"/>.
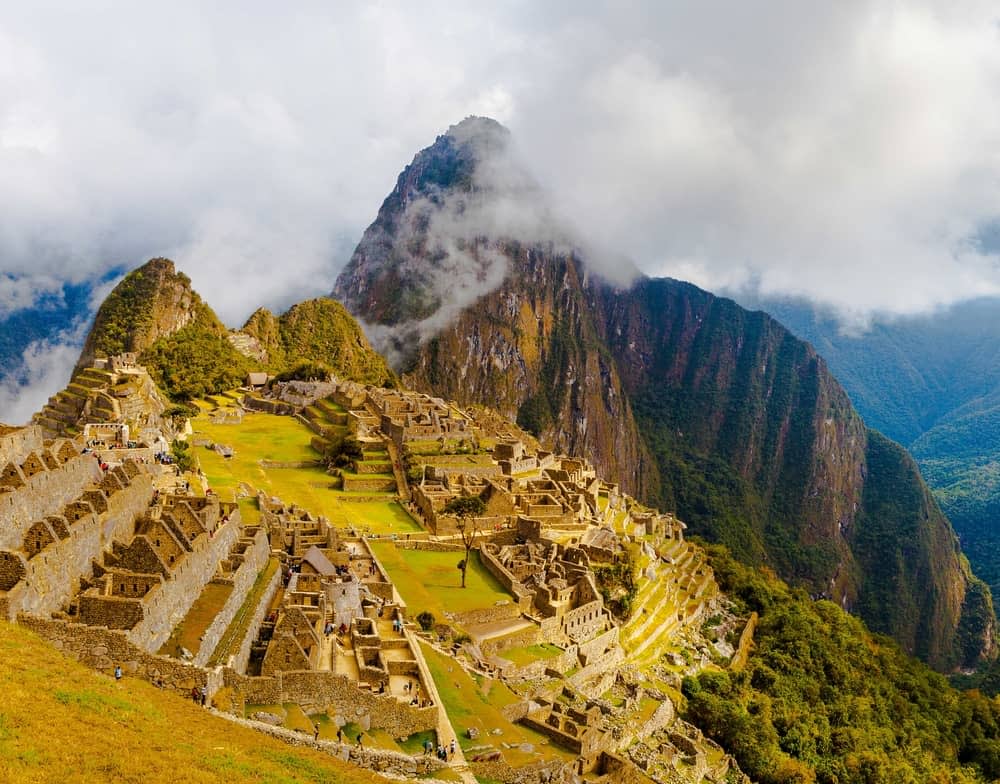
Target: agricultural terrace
<point x="478" y="702"/>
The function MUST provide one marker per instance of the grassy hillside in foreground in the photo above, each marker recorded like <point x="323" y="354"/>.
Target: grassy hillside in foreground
<point x="62" y="722"/>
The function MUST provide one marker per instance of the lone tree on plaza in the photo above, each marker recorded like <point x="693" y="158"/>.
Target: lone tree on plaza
<point x="466" y="508"/>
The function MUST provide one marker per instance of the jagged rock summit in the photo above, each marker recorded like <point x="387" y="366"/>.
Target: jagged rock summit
<point x="151" y="302"/>
<point x="691" y="402"/>
<point x="442" y="237"/>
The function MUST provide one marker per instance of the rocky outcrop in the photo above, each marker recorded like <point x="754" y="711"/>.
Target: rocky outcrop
<point x="691" y="402"/>
<point x="149" y="303"/>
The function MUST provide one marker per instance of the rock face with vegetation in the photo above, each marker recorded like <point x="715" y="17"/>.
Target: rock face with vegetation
<point x="155" y="313"/>
<point x="150" y="302"/>
<point x="318" y="330"/>
<point x="688" y="400"/>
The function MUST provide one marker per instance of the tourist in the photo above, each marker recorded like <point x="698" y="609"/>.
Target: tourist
<point x="118" y="672"/>
<point x="316" y="731"/>
<point x="204" y="695"/>
<point x="340" y="734"/>
<point x="453" y="746"/>
<point x="360" y="745"/>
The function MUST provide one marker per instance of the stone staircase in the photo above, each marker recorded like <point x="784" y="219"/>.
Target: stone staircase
<point x="61" y="414"/>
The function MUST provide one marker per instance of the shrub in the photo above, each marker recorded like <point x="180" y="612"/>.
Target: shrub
<point x="426" y="620"/>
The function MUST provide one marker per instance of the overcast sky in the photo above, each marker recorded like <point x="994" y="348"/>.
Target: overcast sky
<point x="845" y="151"/>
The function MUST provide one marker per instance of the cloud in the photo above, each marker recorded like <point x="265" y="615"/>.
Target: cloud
<point x="848" y="153"/>
<point x="43" y="369"/>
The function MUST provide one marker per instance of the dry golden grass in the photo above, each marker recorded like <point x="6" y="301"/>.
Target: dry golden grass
<point x="62" y="722"/>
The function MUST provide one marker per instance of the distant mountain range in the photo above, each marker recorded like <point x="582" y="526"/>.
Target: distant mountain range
<point x="932" y="383"/>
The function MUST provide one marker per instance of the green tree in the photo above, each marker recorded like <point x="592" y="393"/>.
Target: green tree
<point x="466" y="509"/>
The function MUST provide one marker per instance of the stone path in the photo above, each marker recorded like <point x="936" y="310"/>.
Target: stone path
<point x="397" y="470"/>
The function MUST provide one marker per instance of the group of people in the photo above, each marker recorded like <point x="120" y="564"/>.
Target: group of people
<point x="443" y="752"/>
<point x="200" y="695"/>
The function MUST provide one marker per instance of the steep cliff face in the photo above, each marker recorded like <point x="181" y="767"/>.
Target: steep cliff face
<point x="690" y="401"/>
<point x="532" y="351"/>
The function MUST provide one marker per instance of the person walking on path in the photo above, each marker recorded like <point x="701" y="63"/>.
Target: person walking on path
<point x="204" y="695"/>
<point x="316" y="731"/>
<point x="360" y="744"/>
<point x="340" y="735"/>
<point x="118" y="672"/>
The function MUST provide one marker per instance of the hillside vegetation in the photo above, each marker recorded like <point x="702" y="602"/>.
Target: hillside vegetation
<point x="821" y="699"/>
<point x="154" y="312"/>
<point x="318" y="330"/>
<point x="63" y="722"/>
<point x="931" y="382"/>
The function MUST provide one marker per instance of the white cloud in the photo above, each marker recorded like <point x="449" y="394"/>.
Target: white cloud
<point x="843" y="151"/>
<point x="44" y="368"/>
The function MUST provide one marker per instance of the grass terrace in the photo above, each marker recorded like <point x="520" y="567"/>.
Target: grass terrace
<point x="531" y="653"/>
<point x="237" y="629"/>
<point x="282" y="439"/>
<point x="378" y="517"/>
<point x="430" y="580"/>
<point x="206" y="607"/>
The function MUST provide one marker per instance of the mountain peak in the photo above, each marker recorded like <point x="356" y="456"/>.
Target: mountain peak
<point x="456" y="225"/>
<point x="480" y="133"/>
<point x="150" y="302"/>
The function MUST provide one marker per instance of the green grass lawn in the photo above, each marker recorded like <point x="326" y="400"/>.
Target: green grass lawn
<point x="284" y="439"/>
<point x="429" y="580"/>
<point x="472" y="703"/>
<point x="531" y="653"/>
<point x="381" y="517"/>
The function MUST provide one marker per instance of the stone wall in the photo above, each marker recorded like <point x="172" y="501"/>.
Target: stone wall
<point x="496" y="645"/>
<point x="393" y="764"/>
<point x="167" y="606"/>
<point x="241" y="658"/>
<point x="255" y="559"/>
<point x="506" y="578"/>
<point x="278" y="407"/>
<point x="369" y="484"/>
<point x="539" y="773"/>
<point x="742" y="653"/>
<point x="17" y="444"/>
<point x="334" y="693"/>
<point x="53" y="575"/>
<point x="102" y="649"/>
<point x="43" y="494"/>
<point x="498" y="612"/>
